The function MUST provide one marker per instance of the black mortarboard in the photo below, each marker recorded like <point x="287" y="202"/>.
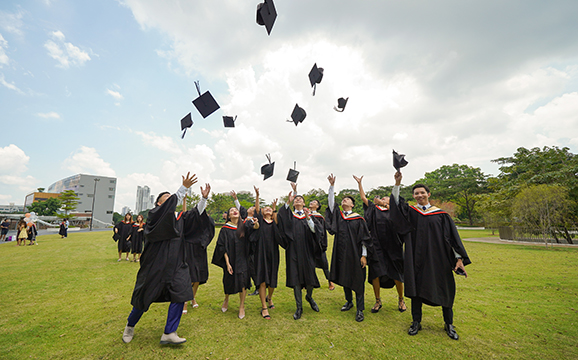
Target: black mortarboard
<point x="459" y="271"/>
<point x="266" y="15"/>
<point x="293" y="174"/>
<point x="315" y="77"/>
<point x="205" y="103"/>
<point x="341" y="102"/>
<point x="398" y="161"/>
<point x="298" y="115"/>
<point x="186" y="122"/>
<point x="267" y="169"/>
<point x="228" y="121"/>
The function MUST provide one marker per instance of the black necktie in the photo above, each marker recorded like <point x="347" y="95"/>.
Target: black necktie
<point x="423" y="207"/>
<point x="299" y="212"/>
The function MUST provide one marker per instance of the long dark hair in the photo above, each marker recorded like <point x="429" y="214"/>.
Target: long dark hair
<point x="240" y="223"/>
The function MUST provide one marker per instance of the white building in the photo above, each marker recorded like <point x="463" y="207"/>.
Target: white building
<point x="144" y="199"/>
<point x="85" y="187"/>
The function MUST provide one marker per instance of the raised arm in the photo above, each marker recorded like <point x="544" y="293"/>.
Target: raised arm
<point x="257" y="209"/>
<point x="331" y="194"/>
<point x="202" y="205"/>
<point x="235" y="200"/>
<point x="395" y="190"/>
<point x="361" y="192"/>
<point x="274" y="206"/>
<point x="188" y="181"/>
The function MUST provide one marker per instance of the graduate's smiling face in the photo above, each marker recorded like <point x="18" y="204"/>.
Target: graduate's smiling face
<point x="128" y="217"/>
<point x="314" y="205"/>
<point x="347" y="204"/>
<point x="298" y="203"/>
<point x="139" y="219"/>
<point x="421" y="196"/>
<point x="233" y="213"/>
<point x="267" y="211"/>
<point x="251" y="211"/>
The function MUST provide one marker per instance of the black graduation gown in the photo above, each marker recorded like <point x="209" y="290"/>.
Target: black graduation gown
<point x="387" y="250"/>
<point x="198" y="232"/>
<point x="350" y="234"/>
<point x="429" y="259"/>
<point x="320" y="255"/>
<point x="136" y="239"/>
<point x="61" y="230"/>
<point x="300" y="246"/>
<point x="124" y="230"/>
<point x="163" y="275"/>
<point x="266" y="252"/>
<point x="237" y="249"/>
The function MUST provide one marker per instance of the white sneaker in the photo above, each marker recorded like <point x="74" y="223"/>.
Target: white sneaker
<point x="172" y="338"/>
<point x="128" y="334"/>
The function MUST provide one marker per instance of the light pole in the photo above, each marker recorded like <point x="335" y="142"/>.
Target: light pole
<point x="93" y="197"/>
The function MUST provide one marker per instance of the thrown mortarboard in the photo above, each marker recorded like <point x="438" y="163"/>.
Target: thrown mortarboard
<point x="341" y="102"/>
<point x="266" y="15"/>
<point x="205" y="103"/>
<point x="267" y="169"/>
<point x="398" y="160"/>
<point x="315" y="76"/>
<point x="298" y="115"/>
<point x="186" y="123"/>
<point x="228" y="121"/>
<point x="293" y="174"/>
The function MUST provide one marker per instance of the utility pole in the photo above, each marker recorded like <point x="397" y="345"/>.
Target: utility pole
<point x="93" y="197"/>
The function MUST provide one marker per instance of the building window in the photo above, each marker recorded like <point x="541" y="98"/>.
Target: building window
<point x="80" y="194"/>
<point x="89" y="195"/>
<point x="110" y="196"/>
<point x="109" y="212"/>
<point x="81" y="185"/>
<point x="112" y="181"/>
<point x="111" y="189"/>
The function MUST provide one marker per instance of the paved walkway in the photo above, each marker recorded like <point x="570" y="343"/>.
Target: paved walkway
<point x="496" y="240"/>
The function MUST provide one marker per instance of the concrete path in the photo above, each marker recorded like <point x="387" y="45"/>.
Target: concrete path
<point x="496" y="240"/>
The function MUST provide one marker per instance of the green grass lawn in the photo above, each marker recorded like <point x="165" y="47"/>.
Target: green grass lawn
<point x="468" y="234"/>
<point x="69" y="299"/>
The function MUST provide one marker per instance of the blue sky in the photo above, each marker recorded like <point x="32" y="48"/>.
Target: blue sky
<point x="100" y="87"/>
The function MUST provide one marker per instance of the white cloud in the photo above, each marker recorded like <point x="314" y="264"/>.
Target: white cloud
<point x="14" y="165"/>
<point x="12" y="22"/>
<point x="86" y="160"/>
<point x="115" y="94"/>
<point x="49" y="115"/>
<point x="65" y="53"/>
<point x="10" y="86"/>
<point x="164" y="143"/>
<point x="4" y="60"/>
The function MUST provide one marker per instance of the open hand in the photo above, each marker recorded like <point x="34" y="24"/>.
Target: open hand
<point x="189" y="180"/>
<point x="358" y="179"/>
<point x="331" y="179"/>
<point x="206" y="191"/>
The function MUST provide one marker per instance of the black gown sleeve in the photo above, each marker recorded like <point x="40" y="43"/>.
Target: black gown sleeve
<point x="161" y="223"/>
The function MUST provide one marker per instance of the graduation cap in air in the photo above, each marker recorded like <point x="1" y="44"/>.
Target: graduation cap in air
<point x="266" y="15"/>
<point x="298" y="115"/>
<point x="186" y="123"/>
<point x="267" y="169"/>
<point x="315" y="77"/>
<point x="228" y="121"/>
<point x="205" y="103"/>
<point x="293" y="174"/>
<point x="398" y="160"/>
<point x="341" y="102"/>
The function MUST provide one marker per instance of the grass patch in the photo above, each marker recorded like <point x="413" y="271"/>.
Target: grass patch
<point x="69" y="299"/>
<point x="474" y="233"/>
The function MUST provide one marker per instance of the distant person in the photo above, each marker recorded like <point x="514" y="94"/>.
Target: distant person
<point x="136" y="238"/>
<point x="22" y="233"/>
<point x="433" y="249"/>
<point x="163" y="275"/>
<point x="32" y="232"/>
<point x="124" y="231"/>
<point x="5" y="226"/>
<point x="386" y="265"/>
<point x="66" y="224"/>
<point x="63" y="229"/>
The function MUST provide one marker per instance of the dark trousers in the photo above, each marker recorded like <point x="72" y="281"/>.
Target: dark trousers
<point x="416" y="304"/>
<point x="173" y="317"/>
<point x="359" y="298"/>
<point x="299" y="296"/>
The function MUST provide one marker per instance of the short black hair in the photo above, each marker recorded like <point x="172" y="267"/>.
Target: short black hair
<point x="296" y="196"/>
<point x="350" y="197"/>
<point x="160" y="196"/>
<point x="416" y="186"/>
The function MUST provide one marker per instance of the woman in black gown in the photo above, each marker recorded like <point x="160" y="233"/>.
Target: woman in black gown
<point x="124" y="230"/>
<point x="136" y="238"/>
<point x="231" y="254"/>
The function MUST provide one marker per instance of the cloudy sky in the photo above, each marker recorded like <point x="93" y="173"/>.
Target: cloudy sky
<point x="99" y="87"/>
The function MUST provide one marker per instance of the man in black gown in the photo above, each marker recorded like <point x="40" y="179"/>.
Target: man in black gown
<point x="299" y="238"/>
<point x="163" y="275"/>
<point x="350" y="245"/>
<point x="433" y="249"/>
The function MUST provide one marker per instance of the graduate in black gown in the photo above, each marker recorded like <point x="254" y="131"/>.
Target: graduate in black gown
<point x="137" y="238"/>
<point x="300" y="239"/>
<point x="350" y="249"/>
<point x="321" y="260"/>
<point x="198" y="232"/>
<point x="266" y="254"/>
<point x="163" y="275"/>
<point x="231" y="254"/>
<point x="386" y="265"/>
<point x="124" y="231"/>
<point x="433" y="249"/>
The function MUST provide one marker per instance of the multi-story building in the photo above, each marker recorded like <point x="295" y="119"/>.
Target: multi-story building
<point x="11" y="208"/>
<point x="38" y="197"/>
<point x="125" y="210"/>
<point x="143" y="199"/>
<point x="86" y="187"/>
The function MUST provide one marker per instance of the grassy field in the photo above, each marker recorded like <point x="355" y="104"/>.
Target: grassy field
<point x="69" y="299"/>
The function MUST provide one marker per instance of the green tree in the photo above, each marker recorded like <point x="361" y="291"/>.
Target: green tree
<point x="68" y="201"/>
<point x="116" y="217"/>
<point x="218" y="204"/>
<point x="316" y="194"/>
<point x="45" y="208"/>
<point x="461" y="184"/>
<point x="40" y="189"/>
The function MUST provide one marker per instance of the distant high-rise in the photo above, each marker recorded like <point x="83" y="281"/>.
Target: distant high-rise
<point x="125" y="210"/>
<point x="143" y="199"/>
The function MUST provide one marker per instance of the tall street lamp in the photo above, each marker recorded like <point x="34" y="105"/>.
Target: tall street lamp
<point x="93" y="197"/>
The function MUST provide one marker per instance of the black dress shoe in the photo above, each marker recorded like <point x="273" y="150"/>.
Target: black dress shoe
<point x="414" y="328"/>
<point x="297" y="314"/>
<point x="359" y="316"/>
<point x="312" y="303"/>
<point x="348" y="305"/>
<point x="451" y="331"/>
